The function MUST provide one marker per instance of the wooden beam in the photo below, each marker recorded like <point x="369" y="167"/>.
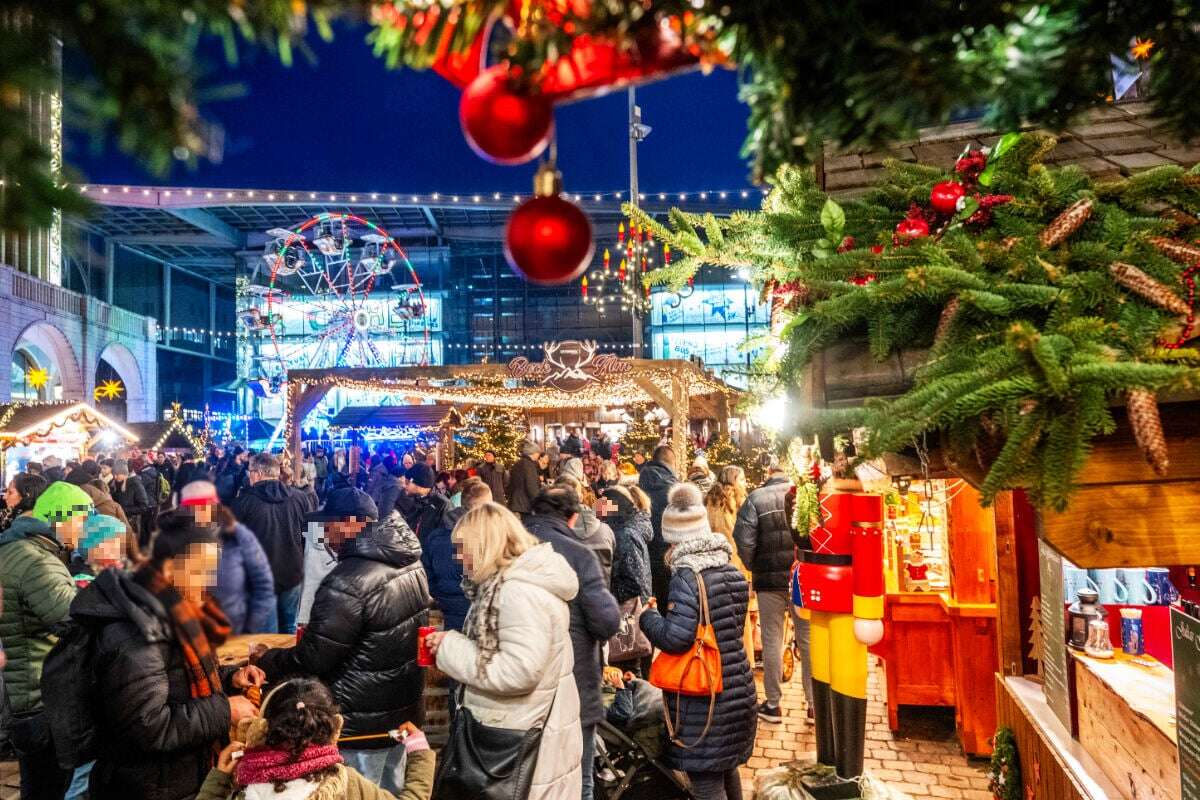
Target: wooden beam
<point x="679" y="423"/>
<point x="1008" y="594"/>
<point x="649" y="387"/>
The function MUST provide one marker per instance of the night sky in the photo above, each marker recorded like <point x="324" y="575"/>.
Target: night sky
<point x="348" y="123"/>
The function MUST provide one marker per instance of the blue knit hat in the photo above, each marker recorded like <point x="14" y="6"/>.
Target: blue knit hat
<point x="98" y="528"/>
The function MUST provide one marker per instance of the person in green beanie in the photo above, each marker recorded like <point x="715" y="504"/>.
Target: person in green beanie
<point x="38" y="592"/>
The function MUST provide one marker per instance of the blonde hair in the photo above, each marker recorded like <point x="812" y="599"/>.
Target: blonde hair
<point x="492" y="537"/>
<point x="640" y="499"/>
<point x="609" y="472"/>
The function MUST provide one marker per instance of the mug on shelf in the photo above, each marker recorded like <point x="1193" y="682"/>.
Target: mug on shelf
<point x="1075" y="579"/>
<point x="1112" y="591"/>
<point x="1165" y="591"/>
<point x="1139" y="590"/>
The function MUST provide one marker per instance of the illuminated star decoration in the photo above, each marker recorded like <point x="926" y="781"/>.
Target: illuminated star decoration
<point x="37" y="377"/>
<point x="1141" y="49"/>
<point x="108" y="390"/>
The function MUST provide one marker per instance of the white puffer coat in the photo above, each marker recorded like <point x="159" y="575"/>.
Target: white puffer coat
<point x="534" y="663"/>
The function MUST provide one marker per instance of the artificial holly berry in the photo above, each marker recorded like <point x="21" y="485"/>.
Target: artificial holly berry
<point x="548" y="240"/>
<point x="847" y="245"/>
<point x="877" y="249"/>
<point x="970" y="166"/>
<point x="911" y="228"/>
<point x="947" y="197"/>
<point x="503" y="123"/>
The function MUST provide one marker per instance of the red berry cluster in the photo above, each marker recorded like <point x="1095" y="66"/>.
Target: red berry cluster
<point x="1189" y="280"/>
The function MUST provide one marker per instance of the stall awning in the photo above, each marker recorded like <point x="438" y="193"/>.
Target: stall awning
<point x="165" y="435"/>
<point x="407" y="416"/>
<point x="20" y="421"/>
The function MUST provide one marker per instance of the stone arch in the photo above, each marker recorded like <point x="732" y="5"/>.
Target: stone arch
<point x="121" y="359"/>
<point x="54" y="343"/>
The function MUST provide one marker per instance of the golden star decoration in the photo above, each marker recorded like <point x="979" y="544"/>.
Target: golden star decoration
<point x="1141" y="49"/>
<point x="37" y="377"/>
<point x="109" y="390"/>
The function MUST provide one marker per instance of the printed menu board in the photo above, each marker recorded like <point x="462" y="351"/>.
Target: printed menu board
<point x="1185" y="647"/>
<point x="1054" y="635"/>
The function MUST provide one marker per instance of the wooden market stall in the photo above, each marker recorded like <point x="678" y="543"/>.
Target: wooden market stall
<point x="171" y="435"/>
<point x="31" y="432"/>
<point x="573" y="375"/>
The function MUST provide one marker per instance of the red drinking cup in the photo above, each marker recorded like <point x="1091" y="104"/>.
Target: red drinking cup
<point x="424" y="657"/>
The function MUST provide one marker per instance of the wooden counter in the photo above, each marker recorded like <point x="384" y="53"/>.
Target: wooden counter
<point x="236" y="649"/>
<point x="938" y="652"/>
<point x="1126" y="714"/>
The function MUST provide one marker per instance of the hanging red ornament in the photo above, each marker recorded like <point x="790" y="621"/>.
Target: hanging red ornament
<point x="947" y="197"/>
<point x="971" y="165"/>
<point x="503" y="123"/>
<point x="863" y="280"/>
<point x="548" y="240"/>
<point x="911" y="228"/>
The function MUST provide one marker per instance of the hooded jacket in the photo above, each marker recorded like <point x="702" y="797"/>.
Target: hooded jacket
<point x="275" y="515"/>
<point x="37" y="595"/>
<point x="631" y="562"/>
<point x="361" y="639"/>
<point x="245" y="587"/>
<point x="524" y="483"/>
<point x="764" y="536"/>
<point x="598" y="537"/>
<point x="656" y="480"/>
<point x="529" y="680"/>
<point x="158" y="740"/>
<point x="595" y="615"/>
<point x="445" y="572"/>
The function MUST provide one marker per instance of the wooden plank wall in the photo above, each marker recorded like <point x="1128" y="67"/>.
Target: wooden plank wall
<point x="1040" y="765"/>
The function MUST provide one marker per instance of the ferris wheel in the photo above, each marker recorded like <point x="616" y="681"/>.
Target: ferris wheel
<point x="337" y="291"/>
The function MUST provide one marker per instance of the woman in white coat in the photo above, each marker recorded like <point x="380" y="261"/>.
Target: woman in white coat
<point x="514" y="657"/>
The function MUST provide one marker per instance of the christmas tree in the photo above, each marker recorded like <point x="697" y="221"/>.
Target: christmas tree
<point x="1035" y="632"/>
<point x="642" y="434"/>
<point x="1039" y="295"/>
<point x="492" y="428"/>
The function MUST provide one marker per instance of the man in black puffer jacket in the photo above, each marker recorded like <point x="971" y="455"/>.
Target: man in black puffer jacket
<point x="656" y="479"/>
<point x="767" y="545"/>
<point x="361" y="639"/>
<point x="595" y="615"/>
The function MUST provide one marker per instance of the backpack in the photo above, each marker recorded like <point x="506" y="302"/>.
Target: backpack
<point x="70" y="690"/>
<point x="164" y="490"/>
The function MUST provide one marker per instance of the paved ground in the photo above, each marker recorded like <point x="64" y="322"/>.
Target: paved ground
<point x="921" y="760"/>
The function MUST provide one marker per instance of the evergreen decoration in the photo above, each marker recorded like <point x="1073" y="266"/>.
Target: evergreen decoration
<point x="1045" y="334"/>
<point x="642" y="434"/>
<point x="1004" y="775"/>
<point x="500" y="430"/>
<point x="892" y="69"/>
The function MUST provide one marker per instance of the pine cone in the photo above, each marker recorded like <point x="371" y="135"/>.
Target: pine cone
<point x="1180" y="252"/>
<point x="1066" y="223"/>
<point x="946" y="320"/>
<point x="1181" y="219"/>
<point x="1142" y="406"/>
<point x="1146" y="287"/>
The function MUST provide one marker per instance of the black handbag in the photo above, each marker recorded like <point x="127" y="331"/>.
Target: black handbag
<point x="480" y="762"/>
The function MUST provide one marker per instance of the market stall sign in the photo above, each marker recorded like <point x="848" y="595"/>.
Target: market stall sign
<point x="1185" y="645"/>
<point x="569" y="365"/>
<point x="1054" y="634"/>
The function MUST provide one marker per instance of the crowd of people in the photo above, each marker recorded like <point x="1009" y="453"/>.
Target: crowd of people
<point x="122" y="577"/>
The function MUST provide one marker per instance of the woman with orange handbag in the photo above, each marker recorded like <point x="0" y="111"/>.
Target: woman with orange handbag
<point x="708" y="687"/>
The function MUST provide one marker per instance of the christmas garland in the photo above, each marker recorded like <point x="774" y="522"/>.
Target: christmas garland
<point x="1004" y="776"/>
<point x="1037" y="296"/>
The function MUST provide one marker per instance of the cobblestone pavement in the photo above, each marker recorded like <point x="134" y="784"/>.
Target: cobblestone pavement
<point x="921" y="760"/>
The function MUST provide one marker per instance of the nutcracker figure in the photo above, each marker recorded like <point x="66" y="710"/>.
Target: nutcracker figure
<point x="841" y="580"/>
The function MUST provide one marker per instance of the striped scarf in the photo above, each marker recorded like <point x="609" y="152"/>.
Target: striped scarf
<point x="197" y="630"/>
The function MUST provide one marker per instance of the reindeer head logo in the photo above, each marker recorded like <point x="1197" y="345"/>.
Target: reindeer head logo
<point x="568" y="362"/>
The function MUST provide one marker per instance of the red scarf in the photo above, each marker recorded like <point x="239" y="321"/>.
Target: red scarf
<point x="197" y="630"/>
<point x="265" y="765"/>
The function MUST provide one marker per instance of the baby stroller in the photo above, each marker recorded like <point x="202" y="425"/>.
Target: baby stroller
<point x="629" y="747"/>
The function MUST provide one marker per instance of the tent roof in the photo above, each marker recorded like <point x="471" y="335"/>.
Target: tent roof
<point x="20" y="420"/>
<point x="407" y="416"/>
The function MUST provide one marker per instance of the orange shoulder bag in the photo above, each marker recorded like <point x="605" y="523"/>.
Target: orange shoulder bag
<point x="695" y="672"/>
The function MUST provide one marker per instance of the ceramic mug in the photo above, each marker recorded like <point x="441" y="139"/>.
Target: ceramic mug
<point x="1111" y="590"/>
<point x="1165" y="591"/>
<point x="1075" y="579"/>
<point x="1139" y="590"/>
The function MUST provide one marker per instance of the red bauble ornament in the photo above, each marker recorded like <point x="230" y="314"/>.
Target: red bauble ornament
<point x="910" y="228"/>
<point x="548" y="240"/>
<point x="502" y="123"/>
<point x="946" y="196"/>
